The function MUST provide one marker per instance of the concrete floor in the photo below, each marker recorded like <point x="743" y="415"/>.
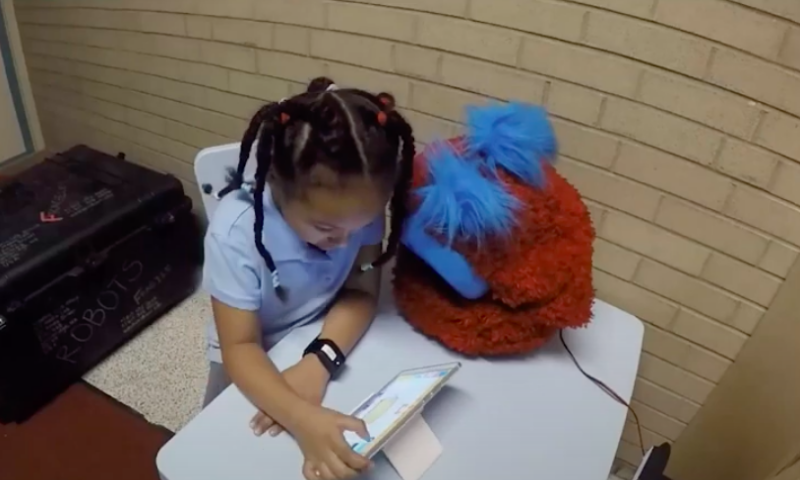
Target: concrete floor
<point x="162" y="372"/>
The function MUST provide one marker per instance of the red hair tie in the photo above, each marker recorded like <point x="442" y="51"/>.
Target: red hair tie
<point x="382" y="118"/>
<point x="284" y="118"/>
<point x="387" y="101"/>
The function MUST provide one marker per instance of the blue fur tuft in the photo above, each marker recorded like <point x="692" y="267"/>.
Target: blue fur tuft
<point x="516" y="137"/>
<point x="459" y="201"/>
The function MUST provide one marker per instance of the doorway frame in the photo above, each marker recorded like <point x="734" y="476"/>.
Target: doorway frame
<point x="749" y="428"/>
<point x="17" y="75"/>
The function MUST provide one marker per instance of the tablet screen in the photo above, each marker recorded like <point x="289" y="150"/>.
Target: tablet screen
<point x="385" y="409"/>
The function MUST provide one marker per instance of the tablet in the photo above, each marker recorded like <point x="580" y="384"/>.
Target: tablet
<point x="386" y="411"/>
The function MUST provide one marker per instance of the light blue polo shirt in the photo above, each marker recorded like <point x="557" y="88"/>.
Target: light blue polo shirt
<point x="235" y="274"/>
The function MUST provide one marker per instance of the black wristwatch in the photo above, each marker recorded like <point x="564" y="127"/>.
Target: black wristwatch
<point x="329" y="354"/>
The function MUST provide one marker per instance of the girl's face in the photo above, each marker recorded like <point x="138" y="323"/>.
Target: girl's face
<point x="326" y="216"/>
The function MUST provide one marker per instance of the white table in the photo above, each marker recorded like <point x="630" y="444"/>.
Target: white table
<point x="530" y="418"/>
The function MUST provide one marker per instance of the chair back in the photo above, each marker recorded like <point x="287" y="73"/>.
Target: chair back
<point x="211" y="169"/>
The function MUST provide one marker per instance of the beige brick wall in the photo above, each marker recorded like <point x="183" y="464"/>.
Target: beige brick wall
<point x="679" y="121"/>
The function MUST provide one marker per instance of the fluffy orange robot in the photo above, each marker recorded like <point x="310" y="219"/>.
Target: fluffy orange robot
<point x="496" y="252"/>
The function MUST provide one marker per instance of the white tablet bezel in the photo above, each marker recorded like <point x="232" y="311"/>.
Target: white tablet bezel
<point x="380" y="441"/>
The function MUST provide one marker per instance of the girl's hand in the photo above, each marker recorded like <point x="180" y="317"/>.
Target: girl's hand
<point x="320" y="436"/>
<point x="309" y="379"/>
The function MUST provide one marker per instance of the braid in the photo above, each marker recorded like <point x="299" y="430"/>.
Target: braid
<point x="399" y="204"/>
<point x="398" y="207"/>
<point x="319" y="85"/>
<point x="250" y="135"/>
<point x="264" y="159"/>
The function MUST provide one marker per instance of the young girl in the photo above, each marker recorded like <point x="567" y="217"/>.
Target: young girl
<point x="328" y="161"/>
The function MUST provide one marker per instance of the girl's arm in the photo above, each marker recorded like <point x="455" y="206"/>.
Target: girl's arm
<point x="251" y="369"/>
<point x="354" y="309"/>
<point x="257" y="376"/>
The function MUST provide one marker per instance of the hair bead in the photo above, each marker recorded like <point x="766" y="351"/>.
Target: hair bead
<point x="366" y="267"/>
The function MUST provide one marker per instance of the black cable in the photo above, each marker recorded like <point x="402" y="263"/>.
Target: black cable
<point x="605" y="388"/>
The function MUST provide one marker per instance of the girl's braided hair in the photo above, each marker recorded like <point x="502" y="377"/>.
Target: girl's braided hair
<point x="350" y="131"/>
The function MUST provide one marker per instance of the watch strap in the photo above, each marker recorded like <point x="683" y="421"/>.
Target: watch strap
<point x="329" y="354"/>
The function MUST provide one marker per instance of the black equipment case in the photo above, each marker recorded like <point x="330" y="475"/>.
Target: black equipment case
<point x="93" y="249"/>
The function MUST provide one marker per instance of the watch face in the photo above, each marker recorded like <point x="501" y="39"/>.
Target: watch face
<point x="328" y="351"/>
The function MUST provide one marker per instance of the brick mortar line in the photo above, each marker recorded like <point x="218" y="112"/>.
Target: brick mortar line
<point x="783" y="45"/>
<point x="639" y="400"/>
<point x="654" y="8"/>
<point x="651" y="20"/>
<point x="708" y="68"/>
<point x="160" y="77"/>
<point x="617" y="150"/>
<point x="124" y="122"/>
<point x="680" y="367"/>
<point x="766" y="250"/>
<point x="229" y="69"/>
<point x="695" y="344"/>
<point x="669" y="389"/>
<point x="435" y="116"/>
<point x="683" y="424"/>
<point x="761" y="118"/>
<point x="133" y="141"/>
<point x="702" y="208"/>
<point x="633" y="422"/>
<point x="545" y="99"/>
<point x="58" y="87"/>
<point x="464" y="16"/>
<point x="718" y="154"/>
<point x="645" y="432"/>
<point x="626" y="464"/>
<point x="83" y="109"/>
<point x="601" y="112"/>
<point x="511" y="29"/>
<point x="292" y="81"/>
<point x="52" y="87"/>
<point x="611" y="134"/>
<point x="766" y="13"/>
<point x="705" y="266"/>
<point x="638" y="450"/>
<point x="672" y="301"/>
<point x="92" y="112"/>
<point x="133" y="10"/>
<point x="648" y="425"/>
<point x="584" y="28"/>
<point x="634" y="98"/>
<point x="405" y="9"/>
<point x="621" y="247"/>
<point x="693" y="402"/>
<point x="467" y="17"/>
<point x="630" y="59"/>
<point x="644" y="429"/>
<point x="86" y="126"/>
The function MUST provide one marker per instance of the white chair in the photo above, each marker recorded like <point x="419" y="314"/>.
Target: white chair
<point x="211" y="169"/>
